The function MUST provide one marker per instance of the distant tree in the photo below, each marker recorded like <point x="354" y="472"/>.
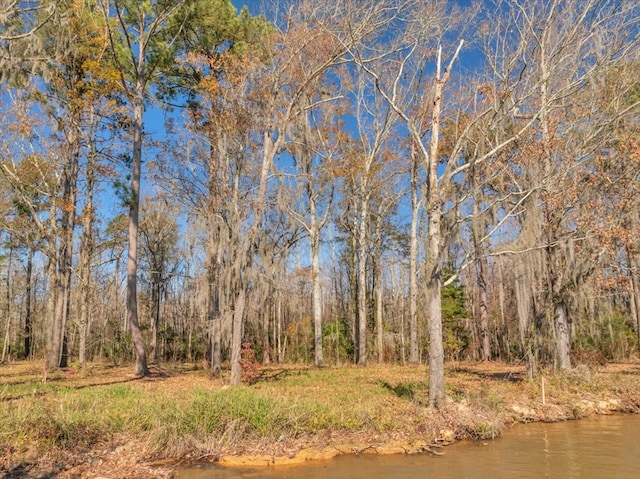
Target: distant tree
<point x="160" y="255"/>
<point x="455" y="312"/>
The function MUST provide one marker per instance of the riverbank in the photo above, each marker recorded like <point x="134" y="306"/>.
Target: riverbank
<point x="107" y="423"/>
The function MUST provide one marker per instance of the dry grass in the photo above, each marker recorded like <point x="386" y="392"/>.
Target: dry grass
<point x="80" y="418"/>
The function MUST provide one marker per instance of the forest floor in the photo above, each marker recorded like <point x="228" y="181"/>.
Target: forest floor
<point x="105" y="422"/>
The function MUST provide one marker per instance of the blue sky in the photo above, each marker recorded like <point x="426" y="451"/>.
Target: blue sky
<point x="253" y="5"/>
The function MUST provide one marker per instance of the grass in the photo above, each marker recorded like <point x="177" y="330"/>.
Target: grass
<point x="182" y="412"/>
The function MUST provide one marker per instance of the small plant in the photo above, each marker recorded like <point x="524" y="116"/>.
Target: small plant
<point x="250" y="367"/>
<point x="404" y="390"/>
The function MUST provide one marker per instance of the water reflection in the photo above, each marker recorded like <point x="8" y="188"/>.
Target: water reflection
<point x="605" y="446"/>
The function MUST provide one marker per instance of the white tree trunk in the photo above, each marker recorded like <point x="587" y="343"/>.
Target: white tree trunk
<point x="236" y="337"/>
<point x="317" y="292"/>
<point x="362" y="280"/>
<point x="563" y="346"/>
<point x="413" y="266"/>
<point x="434" y="310"/>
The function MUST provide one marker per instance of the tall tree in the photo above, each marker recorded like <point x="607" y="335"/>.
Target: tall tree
<point x="312" y="154"/>
<point x="219" y="72"/>
<point x="410" y="108"/>
<point x="142" y="41"/>
<point x="145" y="40"/>
<point x="75" y="88"/>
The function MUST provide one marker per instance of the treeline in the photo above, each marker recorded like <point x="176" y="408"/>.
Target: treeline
<point x="327" y="182"/>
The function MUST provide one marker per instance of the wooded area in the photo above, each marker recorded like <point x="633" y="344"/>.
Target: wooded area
<point x="328" y="182"/>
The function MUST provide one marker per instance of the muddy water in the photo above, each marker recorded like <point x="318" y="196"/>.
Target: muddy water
<point x="601" y="447"/>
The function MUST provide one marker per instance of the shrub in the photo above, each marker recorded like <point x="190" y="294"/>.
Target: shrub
<point x="250" y="367"/>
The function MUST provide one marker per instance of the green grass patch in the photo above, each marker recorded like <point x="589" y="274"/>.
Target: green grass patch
<point x="251" y="414"/>
<point x="76" y="418"/>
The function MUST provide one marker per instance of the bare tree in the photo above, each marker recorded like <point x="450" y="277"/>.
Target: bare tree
<point x="401" y="87"/>
<point x="159" y="242"/>
<point x="313" y="155"/>
<point x="562" y="51"/>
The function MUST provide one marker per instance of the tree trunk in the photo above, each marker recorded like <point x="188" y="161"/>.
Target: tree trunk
<point x="403" y="355"/>
<point x="28" y="333"/>
<point x="413" y="265"/>
<point x="317" y="292"/>
<point x="485" y="340"/>
<point x="86" y="253"/>
<point x="559" y="306"/>
<point x="155" y="320"/>
<point x="525" y="269"/>
<point x="52" y="301"/>
<point x="213" y="302"/>
<point x="304" y="153"/>
<point x="563" y="347"/>
<point x="244" y="260"/>
<point x="379" y="322"/>
<point x="554" y="266"/>
<point x="57" y="333"/>
<point x="362" y="281"/>
<point x="6" y="348"/>
<point x="58" y="261"/>
<point x="236" y="337"/>
<point x="141" y="368"/>
<point x="481" y="282"/>
<point x="354" y="290"/>
<point x="8" y="313"/>
<point x="434" y="310"/>
<point x="83" y="327"/>
<point x="434" y="238"/>
<point x="278" y="328"/>
<point x="377" y="284"/>
<point x="217" y="151"/>
<point x="266" y="317"/>
<point x="501" y="301"/>
<point x="70" y="193"/>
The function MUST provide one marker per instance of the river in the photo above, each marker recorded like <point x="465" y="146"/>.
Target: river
<point x="598" y="447"/>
